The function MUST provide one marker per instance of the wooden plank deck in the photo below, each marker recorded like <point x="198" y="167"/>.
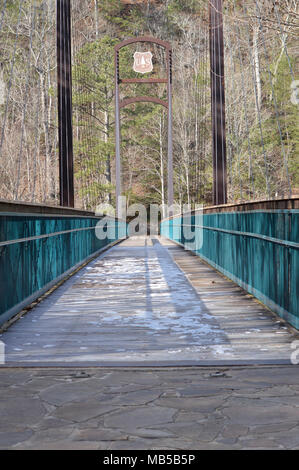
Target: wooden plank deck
<point x="148" y="302"/>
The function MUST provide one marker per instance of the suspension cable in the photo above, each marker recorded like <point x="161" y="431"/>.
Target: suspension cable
<point x="25" y="103"/>
<point x="283" y="40"/>
<point x="245" y="104"/>
<point x="254" y="78"/>
<point x="3" y="13"/>
<point x="11" y="75"/>
<point x="234" y="126"/>
<point x="274" y="99"/>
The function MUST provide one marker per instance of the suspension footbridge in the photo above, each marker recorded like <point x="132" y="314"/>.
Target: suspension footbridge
<point x="126" y="334"/>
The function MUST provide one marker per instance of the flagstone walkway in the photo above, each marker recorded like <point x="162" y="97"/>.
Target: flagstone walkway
<point x="186" y="408"/>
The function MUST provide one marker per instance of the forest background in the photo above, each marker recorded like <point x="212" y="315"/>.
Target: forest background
<point x="261" y="72"/>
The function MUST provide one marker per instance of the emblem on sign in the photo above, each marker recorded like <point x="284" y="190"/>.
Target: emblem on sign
<point x="143" y="62"/>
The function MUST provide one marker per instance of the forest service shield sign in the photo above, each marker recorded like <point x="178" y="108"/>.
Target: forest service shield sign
<point x="143" y="62"/>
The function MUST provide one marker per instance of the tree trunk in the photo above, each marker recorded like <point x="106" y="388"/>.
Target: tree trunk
<point x="256" y="60"/>
<point x="46" y="134"/>
<point x="96" y="17"/>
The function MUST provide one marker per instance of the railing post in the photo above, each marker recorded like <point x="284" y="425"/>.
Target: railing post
<point x="64" y="84"/>
<point x="218" y="102"/>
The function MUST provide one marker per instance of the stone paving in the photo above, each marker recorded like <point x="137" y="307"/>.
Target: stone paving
<point x="186" y="408"/>
<point x="148" y="301"/>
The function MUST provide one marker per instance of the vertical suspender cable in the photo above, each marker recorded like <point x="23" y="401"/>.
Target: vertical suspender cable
<point x="234" y="126"/>
<point x="64" y="76"/>
<point x="253" y="75"/>
<point x="16" y="192"/>
<point x="218" y="100"/>
<point x="283" y="40"/>
<point x="245" y="105"/>
<point x="11" y="76"/>
<point x="222" y="100"/>
<point x="3" y="13"/>
<point x="274" y="99"/>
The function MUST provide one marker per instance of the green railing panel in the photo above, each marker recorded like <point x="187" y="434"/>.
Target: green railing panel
<point x="257" y="249"/>
<point x="36" y="251"/>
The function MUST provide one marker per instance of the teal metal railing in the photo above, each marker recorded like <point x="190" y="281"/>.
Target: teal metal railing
<point x="36" y="251"/>
<point x="259" y="250"/>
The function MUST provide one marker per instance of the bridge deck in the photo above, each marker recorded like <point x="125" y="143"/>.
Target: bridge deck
<point x="147" y="302"/>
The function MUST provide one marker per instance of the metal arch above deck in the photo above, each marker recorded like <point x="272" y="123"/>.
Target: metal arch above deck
<point x="153" y="40"/>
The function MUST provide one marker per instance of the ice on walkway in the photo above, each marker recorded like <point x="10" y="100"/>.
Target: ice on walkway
<point x="131" y="305"/>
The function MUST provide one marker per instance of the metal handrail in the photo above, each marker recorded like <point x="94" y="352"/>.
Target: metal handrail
<point x="245" y="234"/>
